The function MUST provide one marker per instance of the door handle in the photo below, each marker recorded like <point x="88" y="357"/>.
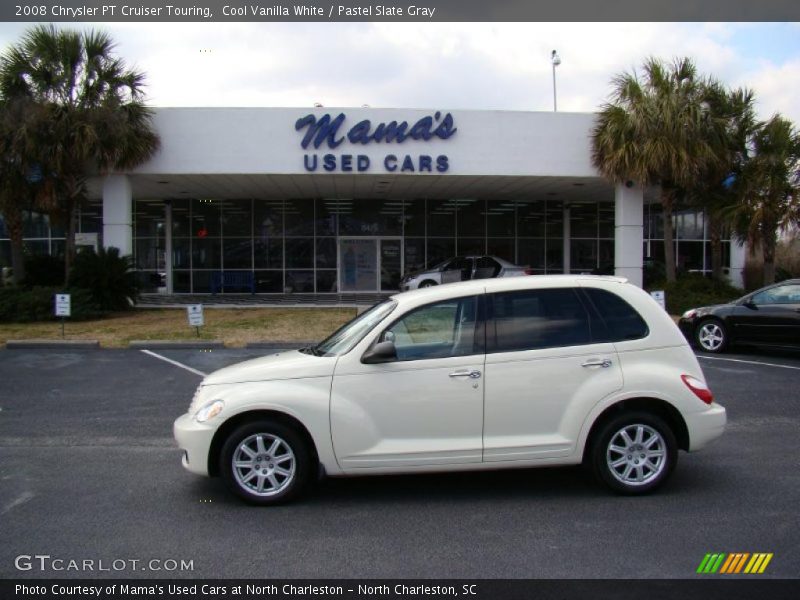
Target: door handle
<point x="472" y="374"/>
<point x="597" y="362"/>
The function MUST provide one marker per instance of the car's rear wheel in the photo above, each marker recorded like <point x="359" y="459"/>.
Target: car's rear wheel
<point x="265" y="462"/>
<point x="634" y="453"/>
<point x="711" y="336"/>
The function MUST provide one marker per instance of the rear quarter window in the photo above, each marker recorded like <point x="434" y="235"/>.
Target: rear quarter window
<point x="621" y="319"/>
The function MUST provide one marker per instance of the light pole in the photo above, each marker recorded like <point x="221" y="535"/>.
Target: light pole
<point x="556" y="60"/>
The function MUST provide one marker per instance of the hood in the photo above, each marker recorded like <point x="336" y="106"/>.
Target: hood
<point x="291" y="364"/>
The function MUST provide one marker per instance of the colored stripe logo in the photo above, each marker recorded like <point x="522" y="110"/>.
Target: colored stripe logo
<point x="735" y="563"/>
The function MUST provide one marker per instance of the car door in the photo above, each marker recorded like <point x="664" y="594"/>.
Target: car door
<point x="771" y="316"/>
<point x="543" y="373"/>
<point x="458" y="269"/>
<point x="426" y="407"/>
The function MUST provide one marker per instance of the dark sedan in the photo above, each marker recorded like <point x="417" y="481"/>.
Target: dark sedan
<point x="769" y="316"/>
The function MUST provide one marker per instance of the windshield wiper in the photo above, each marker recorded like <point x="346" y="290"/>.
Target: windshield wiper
<point x="312" y="350"/>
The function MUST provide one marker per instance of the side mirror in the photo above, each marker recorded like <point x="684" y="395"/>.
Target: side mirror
<point x="382" y="352"/>
<point x="750" y="304"/>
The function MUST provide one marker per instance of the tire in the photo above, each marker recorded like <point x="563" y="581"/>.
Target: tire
<point x="280" y="480"/>
<point x="632" y="472"/>
<point x="428" y="283"/>
<point x="711" y="336"/>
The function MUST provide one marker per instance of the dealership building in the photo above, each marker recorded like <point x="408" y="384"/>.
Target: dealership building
<point x="347" y="200"/>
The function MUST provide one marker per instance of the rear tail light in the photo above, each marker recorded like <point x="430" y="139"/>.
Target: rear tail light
<point x="528" y="271"/>
<point x="699" y="388"/>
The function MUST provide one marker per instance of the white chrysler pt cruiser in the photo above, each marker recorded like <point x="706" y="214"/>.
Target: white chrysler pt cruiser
<point x="488" y="374"/>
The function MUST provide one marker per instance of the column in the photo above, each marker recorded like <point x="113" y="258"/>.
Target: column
<point x="118" y="213"/>
<point x="738" y="257"/>
<point x="567" y="239"/>
<point x="628" y="221"/>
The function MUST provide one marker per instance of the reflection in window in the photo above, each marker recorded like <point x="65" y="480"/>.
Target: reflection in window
<point x="440" y="330"/>
<point x="534" y="319"/>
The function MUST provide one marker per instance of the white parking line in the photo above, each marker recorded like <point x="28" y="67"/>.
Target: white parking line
<point x="750" y="362"/>
<point x="176" y="363"/>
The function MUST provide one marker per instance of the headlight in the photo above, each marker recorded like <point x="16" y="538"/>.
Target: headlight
<point x="209" y="411"/>
<point x="690" y="314"/>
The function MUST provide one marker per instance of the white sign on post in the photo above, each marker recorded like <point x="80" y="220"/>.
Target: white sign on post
<point x="658" y="296"/>
<point x="195" y="314"/>
<point x="62" y="305"/>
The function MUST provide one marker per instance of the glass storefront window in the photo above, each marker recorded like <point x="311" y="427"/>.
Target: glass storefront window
<point x="471" y="218"/>
<point x="530" y="218"/>
<point x="299" y="217"/>
<point x="583" y="255"/>
<point x="269" y="282"/>
<point x="414" y="254"/>
<point x="206" y="219"/>
<point x="268" y="253"/>
<point x="371" y="217"/>
<point x="500" y="218"/>
<point x="606" y="220"/>
<point x="300" y="253"/>
<point x="327" y="214"/>
<point x="583" y="221"/>
<point x="501" y="248"/>
<point x="441" y="219"/>
<point x="326" y="253"/>
<point x="300" y="281"/>
<point x="237" y="253"/>
<point x="206" y="253"/>
<point x="414" y="218"/>
<point x="530" y="253"/>
<point x="237" y="218"/>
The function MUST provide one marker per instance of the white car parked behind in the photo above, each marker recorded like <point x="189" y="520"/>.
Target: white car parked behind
<point x="489" y="374"/>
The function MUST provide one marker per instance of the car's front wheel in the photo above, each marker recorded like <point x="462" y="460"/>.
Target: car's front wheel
<point x="634" y="453"/>
<point x="265" y="462"/>
<point x="711" y="336"/>
<point x="427" y="283"/>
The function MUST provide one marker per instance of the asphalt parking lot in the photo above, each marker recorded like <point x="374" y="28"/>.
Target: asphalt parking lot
<point x="88" y="470"/>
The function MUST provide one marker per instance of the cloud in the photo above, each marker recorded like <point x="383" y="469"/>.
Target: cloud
<point x="502" y="66"/>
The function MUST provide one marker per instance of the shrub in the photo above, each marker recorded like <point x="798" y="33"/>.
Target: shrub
<point x="108" y="276"/>
<point x="692" y="290"/>
<point x="43" y="270"/>
<point x="20" y="305"/>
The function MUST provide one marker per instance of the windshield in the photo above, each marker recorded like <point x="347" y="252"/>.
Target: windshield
<point x="351" y="333"/>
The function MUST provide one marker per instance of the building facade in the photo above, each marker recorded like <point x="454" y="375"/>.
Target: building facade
<point x="330" y="200"/>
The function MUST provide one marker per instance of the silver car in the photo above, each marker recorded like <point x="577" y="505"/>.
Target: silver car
<point x="463" y="268"/>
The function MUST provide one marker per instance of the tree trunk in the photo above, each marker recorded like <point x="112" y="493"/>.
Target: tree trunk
<point x="70" y="209"/>
<point x="715" y="234"/>
<point x="667" y="206"/>
<point x="768" y="246"/>
<point x="14" y="224"/>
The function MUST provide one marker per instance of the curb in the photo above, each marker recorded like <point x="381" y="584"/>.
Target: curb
<point x="175" y="344"/>
<point x="71" y="344"/>
<point x="279" y="345"/>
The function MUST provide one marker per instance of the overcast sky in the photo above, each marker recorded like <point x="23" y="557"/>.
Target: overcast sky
<point x="500" y="66"/>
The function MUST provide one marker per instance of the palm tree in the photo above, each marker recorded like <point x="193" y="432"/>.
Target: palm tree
<point x="18" y="177"/>
<point x="716" y="191"/>
<point x="770" y="189"/>
<point x="92" y="115"/>
<point x="657" y="130"/>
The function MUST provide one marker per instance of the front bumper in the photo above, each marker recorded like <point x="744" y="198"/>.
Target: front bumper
<point x="706" y="426"/>
<point x="195" y="440"/>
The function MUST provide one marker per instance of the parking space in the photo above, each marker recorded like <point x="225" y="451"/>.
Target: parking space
<point x="88" y="470"/>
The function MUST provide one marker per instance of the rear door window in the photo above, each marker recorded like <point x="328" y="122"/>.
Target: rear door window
<point x="621" y="320"/>
<point x="535" y="319"/>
